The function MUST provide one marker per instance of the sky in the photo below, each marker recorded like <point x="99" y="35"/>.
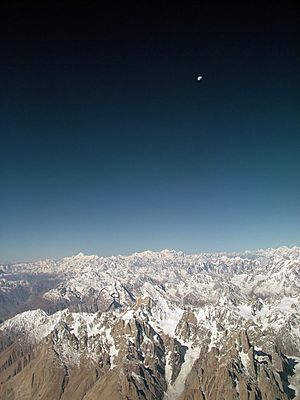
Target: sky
<point x="109" y="144"/>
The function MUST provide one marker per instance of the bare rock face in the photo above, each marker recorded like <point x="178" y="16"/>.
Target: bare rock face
<point x="234" y="371"/>
<point x="134" y="361"/>
<point x="155" y="326"/>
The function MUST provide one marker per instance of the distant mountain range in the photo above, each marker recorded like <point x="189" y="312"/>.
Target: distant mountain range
<point x="152" y="325"/>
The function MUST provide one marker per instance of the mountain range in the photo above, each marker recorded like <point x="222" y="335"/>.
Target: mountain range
<point x="153" y="325"/>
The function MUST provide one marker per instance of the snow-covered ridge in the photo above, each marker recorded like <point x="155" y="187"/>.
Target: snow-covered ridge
<point x="184" y="279"/>
<point x="166" y="253"/>
<point x="176" y="258"/>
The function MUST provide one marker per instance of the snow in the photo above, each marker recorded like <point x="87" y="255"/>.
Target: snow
<point x="175" y="390"/>
<point x="128" y="315"/>
<point x="168" y="368"/>
<point x="181" y="274"/>
<point x="288" y="304"/>
<point x="36" y="324"/>
<point x="207" y="319"/>
<point x="244" y="359"/>
<point x="245" y="311"/>
<point x="85" y="321"/>
<point x="295" y="379"/>
<point x="113" y="351"/>
<point x="165" y="316"/>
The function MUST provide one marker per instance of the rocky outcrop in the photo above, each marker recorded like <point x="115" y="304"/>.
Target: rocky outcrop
<point x="235" y="371"/>
<point x="79" y="359"/>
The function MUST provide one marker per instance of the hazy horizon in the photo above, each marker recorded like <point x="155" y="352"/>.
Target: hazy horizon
<point x="155" y="250"/>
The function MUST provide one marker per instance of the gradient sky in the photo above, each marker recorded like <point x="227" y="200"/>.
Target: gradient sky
<point x="110" y="145"/>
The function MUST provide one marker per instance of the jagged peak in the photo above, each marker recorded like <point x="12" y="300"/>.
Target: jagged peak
<point x="156" y="253"/>
<point x="79" y="255"/>
<point x="169" y="252"/>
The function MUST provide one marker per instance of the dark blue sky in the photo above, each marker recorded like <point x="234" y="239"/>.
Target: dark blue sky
<point x="109" y="144"/>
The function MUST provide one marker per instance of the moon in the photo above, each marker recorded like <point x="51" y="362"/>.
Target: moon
<point x="199" y="77"/>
